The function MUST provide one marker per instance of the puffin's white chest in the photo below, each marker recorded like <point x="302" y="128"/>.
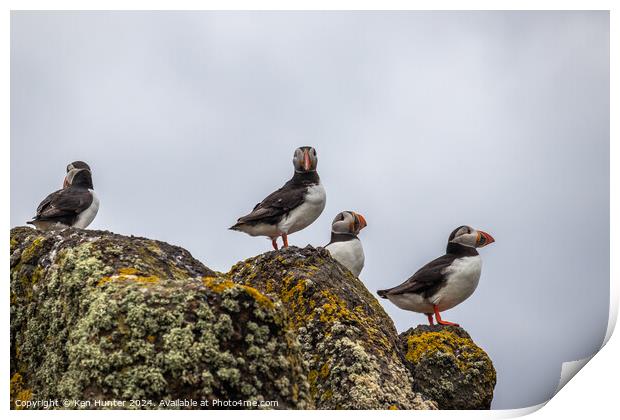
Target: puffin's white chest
<point x="87" y="216"/>
<point x="348" y="253"/>
<point x="303" y="215"/>
<point x="462" y="278"/>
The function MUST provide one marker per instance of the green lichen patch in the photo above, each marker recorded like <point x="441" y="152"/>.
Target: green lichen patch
<point x="13" y="245"/>
<point x="30" y="252"/>
<point x="138" y="348"/>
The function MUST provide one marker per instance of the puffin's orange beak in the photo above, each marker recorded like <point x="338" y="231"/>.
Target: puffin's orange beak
<point x="362" y="221"/>
<point x="484" y="239"/>
<point x="306" y="160"/>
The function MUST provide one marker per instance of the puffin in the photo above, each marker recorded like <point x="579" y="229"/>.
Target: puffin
<point x="344" y="246"/>
<point x="75" y="205"/>
<point x="78" y="164"/>
<point x="291" y="208"/>
<point x="446" y="281"/>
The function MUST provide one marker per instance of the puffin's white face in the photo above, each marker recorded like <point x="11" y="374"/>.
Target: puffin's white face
<point x="348" y="222"/>
<point x="468" y="236"/>
<point x="305" y="159"/>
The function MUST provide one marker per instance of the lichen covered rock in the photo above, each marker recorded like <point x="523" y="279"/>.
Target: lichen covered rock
<point x="96" y="315"/>
<point x="348" y="340"/>
<point x="448" y="367"/>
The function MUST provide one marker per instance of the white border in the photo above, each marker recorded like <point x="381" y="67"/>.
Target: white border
<point x="591" y="394"/>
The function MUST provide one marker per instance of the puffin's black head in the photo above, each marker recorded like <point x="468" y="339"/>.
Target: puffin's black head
<point x="305" y="159"/>
<point x="81" y="178"/>
<point x="348" y="222"/>
<point x="71" y="171"/>
<point x="467" y="236"/>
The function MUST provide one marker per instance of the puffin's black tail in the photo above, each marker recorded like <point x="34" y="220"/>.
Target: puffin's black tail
<point x="383" y="293"/>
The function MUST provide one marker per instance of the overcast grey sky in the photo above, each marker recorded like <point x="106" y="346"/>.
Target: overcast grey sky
<point x="422" y="121"/>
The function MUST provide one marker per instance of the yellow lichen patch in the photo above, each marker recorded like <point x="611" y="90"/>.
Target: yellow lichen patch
<point x="270" y="286"/>
<point x="292" y="294"/>
<point x="151" y="338"/>
<point x="29" y="252"/>
<point x="324" y="372"/>
<point x="316" y="380"/>
<point x="463" y="350"/>
<point x="327" y="395"/>
<point x="305" y="306"/>
<point x="37" y="274"/>
<point x="18" y="391"/>
<point x="128" y="274"/>
<point x="312" y="377"/>
<point x="258" y="296"/>
<point x="335" y="309"/>
<point x="219" y="285"/>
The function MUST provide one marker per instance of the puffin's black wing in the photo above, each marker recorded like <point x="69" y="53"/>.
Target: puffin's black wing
<point x="46" y="201"/>
<point x="64" y="205"/>
<point x="276" y="204"/>
<point x="425" y="281"/>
